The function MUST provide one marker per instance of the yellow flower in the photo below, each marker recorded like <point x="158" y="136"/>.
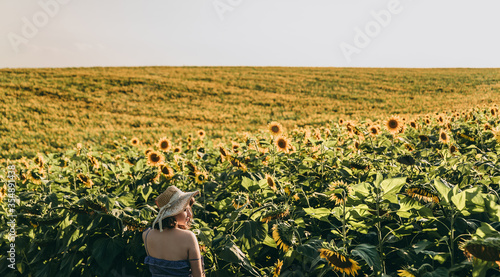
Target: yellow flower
<point x="339" y="197"/>
<point x="85" y="180"/>
<point x="277" y="268"/>
<point x="164" y="144"/>
<point x="155" y="158"/>
<point x="201" y="134"/>
<point x="3" y="192"/>
<point x="167" y="171"/>
<point x="200" y="177"/>
<point x="373" y="130"/>
<point x="443" y="137"/>
<point x="393" y="125"/>
<point x="283" y="235"/>
<point x="423" y="194"/>
<point x="339" y="262"/>
<point x="135" y="141"/>
<point x="282" y="143"/>
<point x="404" y="273"/>
<point x="271" y="183"/>
<point x="275" y="128"/>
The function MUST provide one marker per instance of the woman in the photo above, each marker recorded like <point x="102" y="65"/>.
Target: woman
<point x="173" y="250"/>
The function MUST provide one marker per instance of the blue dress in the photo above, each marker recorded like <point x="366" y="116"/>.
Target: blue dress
<point x="167" y="268"/>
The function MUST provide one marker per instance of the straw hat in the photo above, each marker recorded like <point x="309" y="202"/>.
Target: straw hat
<point x="172" y="202"/>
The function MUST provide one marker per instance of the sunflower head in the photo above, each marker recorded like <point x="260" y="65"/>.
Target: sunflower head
<point x="487" y="249"/>
<point x="443" y="137"/>
<point x="155" y="158"/>
<point x="394" y="124"/>
<point x="424" y="138"/>
<point x="85" y="180"/>
<point x="146" y="152"/>
<point x="275" y="213"/>
<point x="201" y="134"/>
<point x="277" y="268"/>
<point x="167" y="171"/>
<point x="339" y="261"/>
<point x="407" y="272"/>
<point x="373" y="130"/>
<point x="453" y="149"/>
<point x="3" y="192"/>
<point x="135" y="141"/>
<point x="282" y="143"/>
<point x="164" y="144"/>
<point x="275" y="128"/>
<point x="271" y="183"/>
<point x="423" y="194"/>
<point x="284" y="235"/>
<point x="200" y="177"/>
<point x="177" y="149"/>
<point x="340" y="191"/>
<point x="413" y="124"/>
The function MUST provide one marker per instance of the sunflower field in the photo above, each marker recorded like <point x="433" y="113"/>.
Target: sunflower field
<point x="394" y="197"/>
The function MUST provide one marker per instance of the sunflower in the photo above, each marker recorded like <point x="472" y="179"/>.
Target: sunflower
<point x="413" y="124"/>
<point x="146" y="152"/>
<point x="373" y="130"/>
<point x="341" y="121"/>
<point x="135" y="141"/>
<point x="167" y="171"/>
<point x="283" y="235"/>
<point x="393" y="125"/>
<point x="277" y="268"/>
<point x="201" y="134"/>
<point x="200" y="177"/>
<point x="235" y="146"/>
<point x="424" y="138"/>
<point x="409" y="147"/>
<point x="164" y="144"/>
<point x="155" y="158"/>
<point x="271" y="183"/>
<point x="85" y="180"/>
<point x="487" y="126"/>
<point x="487" y="249"/>
<point x="275" y="128"/>
<point x="177" y="149"/>
<point x="340" y="191"/>
<point x="422" y="194"/>
<point x="39" y="160"/>
<point x="453" y="149"/>
<point x="443" y="137"/>
<point x="340" y="262"/>
<point x="275" y="214"/>
<point x="93" y="160"/>
<point x="406" y="272"/>
<point x="3" y="192"/>
<point x="282" y="143"/>
<point x="465" y="136"/>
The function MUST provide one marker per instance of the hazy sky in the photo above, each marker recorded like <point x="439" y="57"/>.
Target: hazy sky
<point x="337" y="33"/>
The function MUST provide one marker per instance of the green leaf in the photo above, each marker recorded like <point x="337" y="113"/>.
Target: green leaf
<point x="105" y="250"/>
<point x="319" y="213"/>
<point x="310" y="248"/>
<point x="444" y="191"/>
<point x="392" y="186"/>
<point x="368" y="253"/>
<point x="230" y="252"/>
<point x="485" y="230"/>
<point x="480" y="268"/>
<point x="252" y="230"/>
<point x="148" y="190"/>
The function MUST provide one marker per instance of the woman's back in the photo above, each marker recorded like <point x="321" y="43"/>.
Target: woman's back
<point x="170" y="253"/>
<point x="171" y="244"/>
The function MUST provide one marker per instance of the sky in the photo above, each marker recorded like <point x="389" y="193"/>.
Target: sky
<point x="310" y="33"/>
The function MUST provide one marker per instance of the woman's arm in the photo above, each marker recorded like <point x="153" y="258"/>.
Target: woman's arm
<point x="194" y="256"/>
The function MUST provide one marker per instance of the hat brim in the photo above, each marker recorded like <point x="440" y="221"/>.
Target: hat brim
<point x="178" y="205"/>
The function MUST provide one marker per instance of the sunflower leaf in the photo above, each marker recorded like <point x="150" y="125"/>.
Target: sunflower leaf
<point x="369" y="254"/>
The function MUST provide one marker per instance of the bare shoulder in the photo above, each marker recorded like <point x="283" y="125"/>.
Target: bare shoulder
<point x="188" y="235"/>
<point x="144" y="234"/>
